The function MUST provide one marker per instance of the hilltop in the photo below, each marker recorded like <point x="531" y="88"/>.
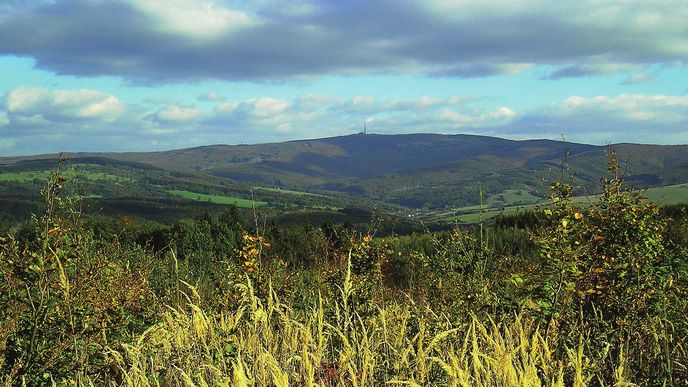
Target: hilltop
<point x="412" y="171"/>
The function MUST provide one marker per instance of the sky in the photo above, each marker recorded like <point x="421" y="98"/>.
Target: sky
<point x="146" y="75"/>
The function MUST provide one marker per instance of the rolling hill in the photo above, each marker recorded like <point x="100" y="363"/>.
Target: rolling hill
<point x="430" y="171"/>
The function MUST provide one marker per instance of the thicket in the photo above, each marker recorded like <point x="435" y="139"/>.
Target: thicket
<point x="586" y="295"/>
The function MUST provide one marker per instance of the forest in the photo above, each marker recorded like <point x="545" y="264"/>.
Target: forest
<point x="570" y="294"/>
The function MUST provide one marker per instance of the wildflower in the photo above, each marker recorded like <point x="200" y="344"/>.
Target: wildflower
<point x="578" y="216"/>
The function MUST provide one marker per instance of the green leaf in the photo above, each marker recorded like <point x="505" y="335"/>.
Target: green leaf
<point x="516" y="279"/>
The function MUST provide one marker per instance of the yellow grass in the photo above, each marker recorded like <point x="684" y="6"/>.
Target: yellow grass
<point x="266" y="343"/>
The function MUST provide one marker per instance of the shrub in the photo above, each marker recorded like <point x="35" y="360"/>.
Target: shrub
<point x="65" y="297"/>
<point x="605" y="267"/>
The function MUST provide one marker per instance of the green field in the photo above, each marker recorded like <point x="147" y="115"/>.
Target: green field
<point x="289" y="191"/>
<point x="668" y="195"/>
<point x="476" y="217"/>
<point x="23" y="177"/>
<point x="511" y="197"/>
<point x="239" y="202"/>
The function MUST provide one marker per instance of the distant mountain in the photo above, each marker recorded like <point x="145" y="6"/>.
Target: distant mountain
<point x="415" y="170"/>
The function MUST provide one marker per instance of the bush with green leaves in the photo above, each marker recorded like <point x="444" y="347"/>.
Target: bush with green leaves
<point x="65" y="297"/>
<point x="605" y="269"/>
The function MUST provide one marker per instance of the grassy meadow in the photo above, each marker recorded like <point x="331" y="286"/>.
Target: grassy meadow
<point x="288" y="191"/>
<point x="219" y="199"/>
<point x="514" y="202"/>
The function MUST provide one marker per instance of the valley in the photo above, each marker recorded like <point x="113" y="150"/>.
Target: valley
<point x="436" y="179"/>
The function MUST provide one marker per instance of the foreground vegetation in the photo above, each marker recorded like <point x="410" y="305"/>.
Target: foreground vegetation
<point x="590" y="296"/>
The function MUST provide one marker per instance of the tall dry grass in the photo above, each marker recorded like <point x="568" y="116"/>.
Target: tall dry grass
<point x="265" y="343"/>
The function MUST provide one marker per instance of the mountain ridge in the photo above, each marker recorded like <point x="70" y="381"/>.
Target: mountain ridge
<point x="420" y="169"/>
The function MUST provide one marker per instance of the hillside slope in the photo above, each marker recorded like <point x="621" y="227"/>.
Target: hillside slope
<point x="416" y="170"/>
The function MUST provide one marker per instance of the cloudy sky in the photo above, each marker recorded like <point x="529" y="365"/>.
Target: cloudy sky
<point x="139" y="75"/>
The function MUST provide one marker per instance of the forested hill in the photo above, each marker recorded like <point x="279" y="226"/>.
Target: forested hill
<point x="414" y="169"/>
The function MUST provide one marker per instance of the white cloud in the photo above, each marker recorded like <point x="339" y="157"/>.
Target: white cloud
<point x="655" y="119"/>
<point x="363" y="100"/>
<point x="177" y="113"/>
<point x="314" y="115"/>
<point x="598" y="119"/>
<point x="267" y="107"/>
<point x="226" y="107"/>
<point x="503" y="112"/>
<point x="197" y="18"/>
<point x="58" y="104"/>
<point x="23" y="98"/>
<point x="661" y="109"/>
<point x="427" y="101"/>
<point x="475" y="118"/>
<point x="108" y="107"/>
<point x="455" y="117"/>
